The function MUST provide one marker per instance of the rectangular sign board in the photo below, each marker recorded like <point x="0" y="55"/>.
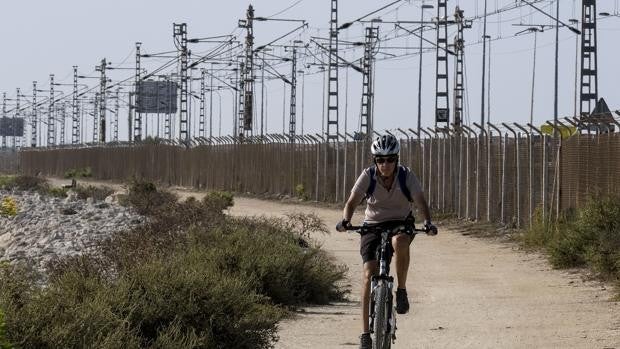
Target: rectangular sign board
<point x="10" y="127"/>
<point x="156" y="97"/>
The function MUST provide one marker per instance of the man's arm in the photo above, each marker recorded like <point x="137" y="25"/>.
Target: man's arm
<point x="421" y="204"/>
<point x="354" y="200"/>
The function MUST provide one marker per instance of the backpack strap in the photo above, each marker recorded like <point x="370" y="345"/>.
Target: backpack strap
<point x="403" y="172"/>
<point x="372" y="173"/>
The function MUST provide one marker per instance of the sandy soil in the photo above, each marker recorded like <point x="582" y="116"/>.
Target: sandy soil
<point x="465" y="293"/>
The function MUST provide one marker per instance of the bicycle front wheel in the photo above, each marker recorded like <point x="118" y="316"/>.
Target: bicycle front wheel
<point x="382" y="338"/>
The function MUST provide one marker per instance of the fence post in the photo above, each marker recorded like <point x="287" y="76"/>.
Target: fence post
<point x="430" y="166"/>
<point x="467" y="172"/>
<point x="558" y="159"/>
<point x="482" y="132"/>
<point x="530" y="173"/>
<point x="344" y="170"/>
<point x="422" y="150"/>
<point x="518" y="170"/>
<point x="544" y="166"/>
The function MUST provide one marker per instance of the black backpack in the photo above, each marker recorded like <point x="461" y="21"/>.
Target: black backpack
<point x="403" y="172"/>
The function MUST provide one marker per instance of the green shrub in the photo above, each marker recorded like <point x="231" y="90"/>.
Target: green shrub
<point x="146" y="198"/>
<point x="300" y="191"/>
<point x="219" y="200"/>
<point x="78" y="172"/>
<point x="55" y="192"/>
<point x="98" y="193"/>
<point x="29" y="183"/>
<point x="7" y="182"/>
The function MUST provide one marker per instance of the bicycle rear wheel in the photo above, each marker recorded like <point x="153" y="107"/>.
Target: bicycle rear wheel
<point x="382" y="338"/>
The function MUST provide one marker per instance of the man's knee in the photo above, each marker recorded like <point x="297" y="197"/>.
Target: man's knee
<point x="401" y="242"/>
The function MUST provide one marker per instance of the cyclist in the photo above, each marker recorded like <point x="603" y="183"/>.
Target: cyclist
<point x="389" y="190"/>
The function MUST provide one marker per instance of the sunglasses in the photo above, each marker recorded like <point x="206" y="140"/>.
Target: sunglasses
<point x="389" y="159"/>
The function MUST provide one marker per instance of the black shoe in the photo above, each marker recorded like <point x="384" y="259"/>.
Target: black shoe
<point x="402" y="303"/>
<point x="365" y="341"/>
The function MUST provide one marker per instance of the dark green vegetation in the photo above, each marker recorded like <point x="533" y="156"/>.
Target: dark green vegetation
<point x="98" y="193"/>
<point x="41" y="185"/>
<point x="190" y="277"/>
<point x="78" y="173"/>
<point x="589" y="238"/>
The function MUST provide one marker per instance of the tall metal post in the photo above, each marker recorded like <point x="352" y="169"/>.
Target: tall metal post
<point x="241" y="100"/>
<point x="247" y="75"/>
<point x="75" y="120"/>
<point x="332" y="80"/>
<point x="96" y="118"/>
<point x="484" y="62"/>
<point x="459" y="86"/>
<point x="34" y="122"/>
<point x="442" y="102"/>
<point x="51" y="123"/>
<point x="180" y="37"/>
<point x="15" y="117"/>
<point x="137" y="122"/>
<point x="368" y="95"/>
<point x="102" y="102"/>
<point x="116" y="111"/>
<point x="4" y="116"/>
<point x="63" y="122"/>
<point x="201" y="118"/>
<point x="211" y="106"/>
<point x="589" y="62"/>
<point x="293" y="108"/>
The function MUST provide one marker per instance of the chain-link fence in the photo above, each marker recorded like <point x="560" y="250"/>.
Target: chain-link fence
<point x="494" y="174"/>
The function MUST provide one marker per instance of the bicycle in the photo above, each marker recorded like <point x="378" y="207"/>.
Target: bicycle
<point x="382" y="315"/>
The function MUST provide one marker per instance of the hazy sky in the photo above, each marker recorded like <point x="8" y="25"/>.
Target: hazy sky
<point x="43" y="37"/>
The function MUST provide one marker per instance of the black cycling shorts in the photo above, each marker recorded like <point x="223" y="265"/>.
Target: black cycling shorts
<point x="369" y="244"/>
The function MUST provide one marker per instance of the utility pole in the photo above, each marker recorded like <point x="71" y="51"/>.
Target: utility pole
<point x="51" y="132"/>
<point x="63" y="124"/>
<point x="116" y="111"/>
<point x="332" y="76"/>
<point x="3" y="117"/>
<point x="102" y="103"/>
<point x="293" y="116"/>
<point x="484" y="62"/>
<point x="15" y="118"/>
<point x="96" y="119"/>
<point x="75" y="122"/>
<point x="34" y="123"/>
<point x="240" y="101"/>
<point x="180" y="37"/>
<point x="245" y="125"/>
<point x="137" y="122"/>
<point x="442" y="102"/>
<point x="589" y="60"/>
<point x="368" y="95"/>
<point x="459" y="86"/>
<point x="211" y="105"/>
<point x="201" y="117"/>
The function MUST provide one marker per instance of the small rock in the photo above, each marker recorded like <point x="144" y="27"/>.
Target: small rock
<point x="68" y="211"/>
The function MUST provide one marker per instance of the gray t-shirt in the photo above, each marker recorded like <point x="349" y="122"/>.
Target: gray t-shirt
<point x="385" y="205"/>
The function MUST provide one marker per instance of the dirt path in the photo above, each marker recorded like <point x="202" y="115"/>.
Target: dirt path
<point x="466" y="293"/>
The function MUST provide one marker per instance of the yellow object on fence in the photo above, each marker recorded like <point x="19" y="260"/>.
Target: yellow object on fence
<point x="8" y="207"/>
<point x="565" y="131"/>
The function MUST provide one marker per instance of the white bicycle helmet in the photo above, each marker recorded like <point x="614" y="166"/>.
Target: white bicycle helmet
<point x="385" y="146"/>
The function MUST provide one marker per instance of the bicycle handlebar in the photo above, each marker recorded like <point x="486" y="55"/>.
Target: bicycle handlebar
<point x="365" y="229"/>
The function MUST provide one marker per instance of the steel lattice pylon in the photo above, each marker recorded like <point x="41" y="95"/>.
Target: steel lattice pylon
<point x="292" y="126"/>
<point x="51" y="131"/>
<point x="332" y="75"/>
<point x="246" y="112"/>
<point x="459" y="47"/>
<point x="75" y="121"/>
<point x="137" y="121"/>
<point x="33" y="122"/>
<point x="367" y="115"/>
<point x="589" y="62"/>
<point x="180" y="36"/>
<point x="102" y="102"/>
<point x="3" y="116"/>
<point x="201" y="120"/>
<point x="442" y="102"/>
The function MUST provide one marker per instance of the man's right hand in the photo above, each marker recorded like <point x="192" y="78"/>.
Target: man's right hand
<point x="343" y="225"/>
